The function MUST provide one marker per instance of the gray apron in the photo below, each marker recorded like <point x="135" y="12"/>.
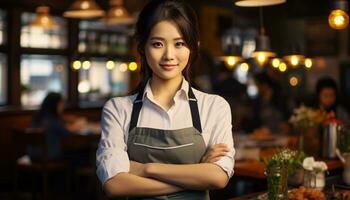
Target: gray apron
<point x="181" y="146"/>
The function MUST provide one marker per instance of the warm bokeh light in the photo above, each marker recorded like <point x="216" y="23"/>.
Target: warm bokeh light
<point x="276" y="62"/>
<point x="231" y="61"/>
<point x="123" y="67"/>
<point x="338" y="19"/>
<point x="86" y="65"/>
<point x="293" y="81"/>
<point x="245" y="67"/>
<point x="84" y="86"/>
<point x="261" y="58"/>
<point x="110" y="65"/>
<point x="294" y="61"/>
<point x="133" y="66"/>
<point x="308" y="63"/>
<point x="76" y="65"/>
<point x="282" y="67"/>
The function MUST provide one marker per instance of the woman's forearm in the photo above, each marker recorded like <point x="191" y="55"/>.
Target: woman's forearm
<point x="126" y="184"/>
<point x="190" y="176"/>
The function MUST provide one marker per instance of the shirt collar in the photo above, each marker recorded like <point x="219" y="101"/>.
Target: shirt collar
<point x="183" y="90"/>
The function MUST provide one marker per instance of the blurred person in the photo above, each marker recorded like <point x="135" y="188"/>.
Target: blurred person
<point x="235" y="94"/>
<point x="50" y="117"/>
<point x="327" y="99"/>
<point x="270" y="109"/>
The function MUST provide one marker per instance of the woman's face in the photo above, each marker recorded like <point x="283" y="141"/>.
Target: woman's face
<point x="166" y="52"/>
<point x="327" y="97"/>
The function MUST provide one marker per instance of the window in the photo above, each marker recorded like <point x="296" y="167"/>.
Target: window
<point x="97" y="83"/>
<point x="3" y="79"/>
<point x="41" y="74"/>
<point x="34" y="37"/>
<point x="96" y="37"/>
<point x="2" y="27"/>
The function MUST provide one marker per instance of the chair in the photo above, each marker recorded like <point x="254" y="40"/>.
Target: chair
<point x="35" y="138"/>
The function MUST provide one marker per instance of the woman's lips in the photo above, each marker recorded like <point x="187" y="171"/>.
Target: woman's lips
<point x="168" y="66"/>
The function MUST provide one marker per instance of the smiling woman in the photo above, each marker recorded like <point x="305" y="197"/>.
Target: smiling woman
<point x="166" y="51"/>
<point x="157" y="143"/>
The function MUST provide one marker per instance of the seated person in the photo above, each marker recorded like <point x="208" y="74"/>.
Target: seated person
<point x="50" y="117"/>
<point x="327" y="99"/>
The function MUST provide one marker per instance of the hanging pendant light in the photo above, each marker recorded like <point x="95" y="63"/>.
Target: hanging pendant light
<point x="117" y="14"/>
<point x="43" y="18"/>
<point x="258" y="3"/>
<point x="338" y="18"/>
<point x="263" y="50"/>
<point x="294" y="56"/>
<point x="233" y="55"/>
<point x="84" y="9"/>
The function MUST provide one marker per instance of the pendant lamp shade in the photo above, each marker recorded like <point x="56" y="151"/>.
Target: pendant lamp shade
<point x="117" y="14"/>
<point x="84" y="9"/>
<point x="258" y="3"/>
<point x="294" y="55"/>
<point x="263" y="50"/>
<point x="43" y="19"/>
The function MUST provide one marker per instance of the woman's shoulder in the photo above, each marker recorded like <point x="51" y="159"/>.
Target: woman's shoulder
<point x="208" y="98"/>
<point x="120" y="102"/>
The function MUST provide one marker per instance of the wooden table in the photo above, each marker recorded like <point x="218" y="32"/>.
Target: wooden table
<point x="255" y="169"/>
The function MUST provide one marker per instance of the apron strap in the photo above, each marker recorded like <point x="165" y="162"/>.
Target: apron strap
<point x="137" y="105"/>
<point x="136" y="108"/>
<point x="196" y="120"/>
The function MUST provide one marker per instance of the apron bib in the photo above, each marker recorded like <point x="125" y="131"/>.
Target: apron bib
<point x="181" y="146"/>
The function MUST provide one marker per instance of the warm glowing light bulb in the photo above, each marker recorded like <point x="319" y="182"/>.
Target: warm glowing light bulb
<point x="110" y="65"/>
<point x="261" y="58"/>
<point x="308" y="63"/>
<point x="276" y="62"/>
<point x="338" y="19"/>
<point x="245" y="67"/>
<point x="231" y="61"/>
<point x="282" y="67"/>
<point x="133" y="66"/>
<point x="294" y="61"/>
<point x="76" y="65"/>
<point x="293" y="81"/>
<point x="123" y="67"/>
<point x="86" y="64"/>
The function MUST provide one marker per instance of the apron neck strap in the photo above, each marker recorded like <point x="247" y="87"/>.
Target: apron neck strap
<point x="196" y="120"/>
<point x="137" y="105"/>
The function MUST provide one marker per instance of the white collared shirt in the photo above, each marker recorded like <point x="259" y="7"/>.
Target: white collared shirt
<point x="215" y="117"/>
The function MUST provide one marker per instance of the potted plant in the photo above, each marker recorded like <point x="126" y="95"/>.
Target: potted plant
<point x="307" y="122"/>
<point x="277" y="169"/>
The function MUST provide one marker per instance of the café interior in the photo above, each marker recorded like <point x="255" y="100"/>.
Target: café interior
<point x="269" y="59"/>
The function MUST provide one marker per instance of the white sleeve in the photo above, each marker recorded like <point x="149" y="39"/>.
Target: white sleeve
<point x="111" y="155"/>
<point x="222" y="133"/>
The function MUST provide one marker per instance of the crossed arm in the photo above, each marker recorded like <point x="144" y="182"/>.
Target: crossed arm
<point x="158" y="179"/>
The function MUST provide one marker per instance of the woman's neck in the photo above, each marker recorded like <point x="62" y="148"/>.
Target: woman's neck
<point x="165" y="90"/>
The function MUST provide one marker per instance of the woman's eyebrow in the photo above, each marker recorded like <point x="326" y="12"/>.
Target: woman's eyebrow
<point x="162" y="39"/>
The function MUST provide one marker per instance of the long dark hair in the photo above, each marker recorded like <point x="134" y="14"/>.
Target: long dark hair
<point x="48" y="109"/>
<point x="176" y="11"/>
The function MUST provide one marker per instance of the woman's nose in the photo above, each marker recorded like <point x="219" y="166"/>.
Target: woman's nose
<point x="168" y="53"/>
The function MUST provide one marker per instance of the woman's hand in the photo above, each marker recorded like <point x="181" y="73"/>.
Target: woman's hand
<point x="137" y="169"/>
<point x="214" y="153"/>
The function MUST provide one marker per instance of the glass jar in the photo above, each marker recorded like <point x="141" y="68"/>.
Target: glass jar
<point x="277" y="177"/>
<point x="314" y="179"/>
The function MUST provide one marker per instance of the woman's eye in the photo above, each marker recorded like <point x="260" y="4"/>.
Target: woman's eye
<point x="179" y="44"/>
<point x="157" y="44"/>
